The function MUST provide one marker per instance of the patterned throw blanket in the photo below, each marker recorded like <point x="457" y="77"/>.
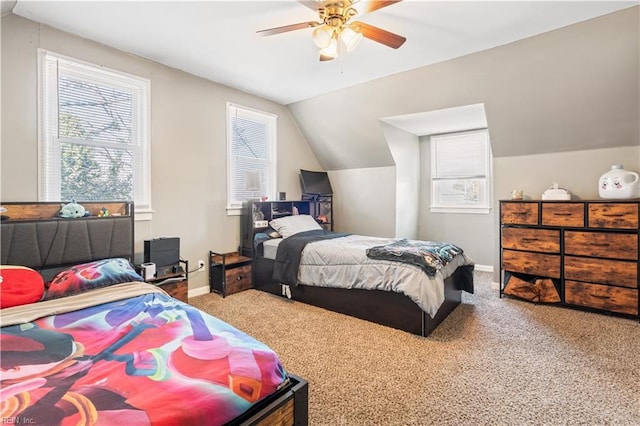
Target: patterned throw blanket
<point x="430" y="256"/>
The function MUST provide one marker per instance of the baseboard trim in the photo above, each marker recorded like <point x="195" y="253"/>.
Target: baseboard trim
<point x="198" y="291"/>
<point x="483" y="268"/>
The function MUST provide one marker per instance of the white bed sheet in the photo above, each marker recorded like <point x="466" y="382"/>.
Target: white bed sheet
<point x="343" y="262"/>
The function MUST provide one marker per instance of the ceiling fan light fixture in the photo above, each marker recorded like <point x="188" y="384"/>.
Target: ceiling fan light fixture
<point x="350" y="38"/>
<point x="322" y="36"/>
<point x="330" y="51"/>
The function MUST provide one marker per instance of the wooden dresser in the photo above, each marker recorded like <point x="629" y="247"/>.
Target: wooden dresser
<point x="588" y="249"/>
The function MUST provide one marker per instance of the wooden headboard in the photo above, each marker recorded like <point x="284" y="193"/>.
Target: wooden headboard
<point x="34" y="235"/>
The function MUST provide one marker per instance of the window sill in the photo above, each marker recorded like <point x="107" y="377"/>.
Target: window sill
<point x="234" y="211"/>
<point x="143" y="215"/>
<point x="463" y="210"/>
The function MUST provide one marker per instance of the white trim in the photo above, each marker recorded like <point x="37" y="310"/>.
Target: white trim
<point x="198" y="291"/>
<point x="440" y="178"/>
<point x="483" y="268"/>
<point x="257" y="111"/>
<point x="234" y="211"/>
<point x="271" y="120"/>
<point x="49" y="66"/>
<point x="143" y="215"/>
<point x="470" y="210"/>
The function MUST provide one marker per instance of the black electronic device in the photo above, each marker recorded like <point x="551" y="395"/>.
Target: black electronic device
<point x="165" y="254"/>
<point x="315" y="183"/>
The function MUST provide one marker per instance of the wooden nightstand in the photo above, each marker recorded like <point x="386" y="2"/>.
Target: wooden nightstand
<point x="176" y="288"/>
<point x="177" y="284"/>
<point x="229" y="273"/>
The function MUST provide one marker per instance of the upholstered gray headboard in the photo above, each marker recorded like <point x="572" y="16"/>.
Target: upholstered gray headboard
<point x="49" y="244"/>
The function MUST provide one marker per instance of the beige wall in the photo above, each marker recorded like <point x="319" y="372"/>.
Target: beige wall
<point x="364" y="201"/>
<point x="188" y="132"/>
<point x="405" y="149"/>
<point x="562" y="106"/>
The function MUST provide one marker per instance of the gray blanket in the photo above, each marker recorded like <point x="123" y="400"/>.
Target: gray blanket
<point x="285" y="268"/>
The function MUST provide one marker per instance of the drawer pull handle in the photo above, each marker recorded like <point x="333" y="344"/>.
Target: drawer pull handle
<point x="600" y="244"/>
<point x="563" y="214"/>
<point x="521" y="213"/>
<point x="238" y="278"/>
<point x="613" y="214"/>
<point x="529" y="240"/>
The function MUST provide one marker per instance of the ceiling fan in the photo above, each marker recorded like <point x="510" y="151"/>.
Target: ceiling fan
<point x="336" y="29"/>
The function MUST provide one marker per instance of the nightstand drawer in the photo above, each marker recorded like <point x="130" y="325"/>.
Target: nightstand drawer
<point x="563" y="214"/>
<point x="519" y="213"/>
<point x="541" y="240"/>
<point x="608" y="298"/>
<point x="543" y="265"/>
<point x="601" y="244"/>
<point x="238" y="279"/>
<point x="614" y="272"/>
<point x="613" y="215"/>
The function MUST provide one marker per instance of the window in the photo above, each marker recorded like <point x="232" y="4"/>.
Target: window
<point x="461" y="172"/>
<point x="251" y="148"/>
<point x="94" y="133"/>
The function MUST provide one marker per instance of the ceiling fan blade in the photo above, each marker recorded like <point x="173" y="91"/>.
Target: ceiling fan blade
<point x="378" y="34"/>
<point x="311" y="4"/>
<point x="325" y="58"/>
<point x="286" y="28"/>
<point x="370" y="6"/>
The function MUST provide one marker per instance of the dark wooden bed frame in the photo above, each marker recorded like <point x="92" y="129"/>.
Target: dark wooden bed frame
<point x="382" y="307"/>
<point x="34" y="236"/>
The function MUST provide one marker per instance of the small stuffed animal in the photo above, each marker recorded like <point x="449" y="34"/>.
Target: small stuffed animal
<point x="72" y="210"/>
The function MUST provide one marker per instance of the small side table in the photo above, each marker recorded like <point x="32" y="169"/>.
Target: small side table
<point x="178" y="289"/>
<point x="176" y="284"/>
<point x="229" y="272"/>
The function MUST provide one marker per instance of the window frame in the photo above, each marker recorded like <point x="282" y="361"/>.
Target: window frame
<point x="234" y="207"/>
<point x="486" y="190"/>
<point x="49" y="181"/>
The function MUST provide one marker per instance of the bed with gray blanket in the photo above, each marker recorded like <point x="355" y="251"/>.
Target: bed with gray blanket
<point x="406" y="284"/>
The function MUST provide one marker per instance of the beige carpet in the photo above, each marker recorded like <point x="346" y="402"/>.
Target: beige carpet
<point x="493" y="361"/>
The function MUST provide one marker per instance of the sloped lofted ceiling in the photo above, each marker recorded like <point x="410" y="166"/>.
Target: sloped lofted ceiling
<point x="338" y="104"/>
<point x="575" y="88"/>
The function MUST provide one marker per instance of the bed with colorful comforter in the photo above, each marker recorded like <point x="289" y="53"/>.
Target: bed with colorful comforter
<point x="145" y="359"/>
<point x="91" y="344"/>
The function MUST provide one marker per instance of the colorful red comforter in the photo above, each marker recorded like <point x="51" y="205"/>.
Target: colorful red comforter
<point x="148" y="359"/>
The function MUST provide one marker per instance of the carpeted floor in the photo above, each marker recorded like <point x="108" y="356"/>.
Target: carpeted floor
<point x="492" y="361"/>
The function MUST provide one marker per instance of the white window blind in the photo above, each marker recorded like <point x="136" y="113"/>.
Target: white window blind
<point x="94" y="138"/>
<point x="251" y="156"/>
<point x="461" y="172"/>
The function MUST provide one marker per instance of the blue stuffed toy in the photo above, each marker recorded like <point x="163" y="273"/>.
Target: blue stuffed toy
<point x="72" y="210"/>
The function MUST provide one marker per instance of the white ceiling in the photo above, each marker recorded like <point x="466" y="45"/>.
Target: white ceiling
<point x="217" y="40"/>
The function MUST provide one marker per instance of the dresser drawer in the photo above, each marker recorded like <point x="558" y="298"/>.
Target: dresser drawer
<point x="541" y="240"/>
<point x="543" y="265"/>
<point x="601" y="244"/>
<point x="519" y="213"/>
<point x="238" y="279"/>
<point x="615" y="272"/>
<point x="563" y="214"/>
<point x="615" y="299"/>
<point x="613" y="215"/>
